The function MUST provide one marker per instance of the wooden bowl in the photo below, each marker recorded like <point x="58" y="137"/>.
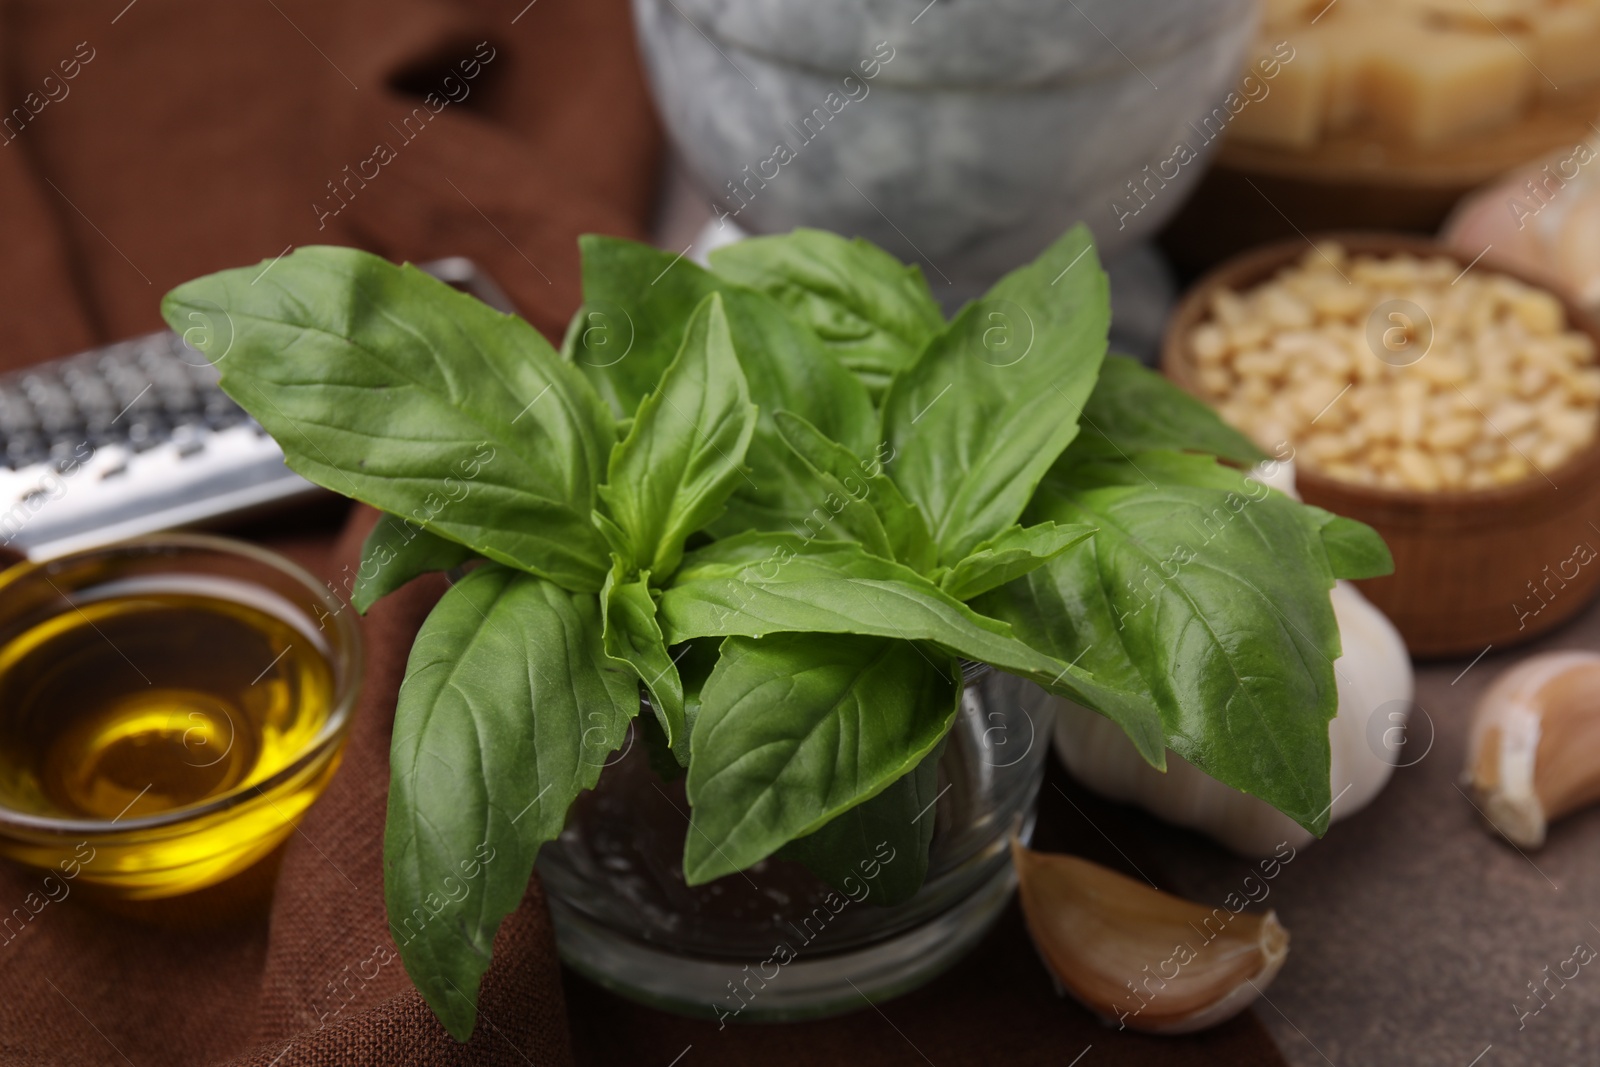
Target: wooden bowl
<point x="1472" y="568"/>
<point x="1355" y="180"/>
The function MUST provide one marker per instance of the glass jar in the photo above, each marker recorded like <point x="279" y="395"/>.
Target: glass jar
<point x="774" y="942"/>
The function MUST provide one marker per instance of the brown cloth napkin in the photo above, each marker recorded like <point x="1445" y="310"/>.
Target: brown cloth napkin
<point x="192" y="136"/>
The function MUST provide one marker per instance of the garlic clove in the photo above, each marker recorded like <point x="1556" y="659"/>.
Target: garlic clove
<point x="1140" y="958"/>
<point x="1534" y="751"/>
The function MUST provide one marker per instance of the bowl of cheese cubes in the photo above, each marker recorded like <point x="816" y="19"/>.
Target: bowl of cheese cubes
<point x="1416" y="75"/>
<point x="1386" y="112"/>
<point x="1452" y="405"/>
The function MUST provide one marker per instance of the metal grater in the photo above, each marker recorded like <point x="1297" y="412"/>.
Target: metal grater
<point x="137" y="437"/>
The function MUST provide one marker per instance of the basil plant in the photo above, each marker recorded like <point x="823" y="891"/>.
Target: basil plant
<point x="780" y="500"/>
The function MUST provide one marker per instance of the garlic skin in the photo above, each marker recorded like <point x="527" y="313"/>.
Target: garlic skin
<point x="1139" y="958"/>
<point x="1374" y="670"/>
<point x="1555" y="238"/>
<point x="1534" y="751"/>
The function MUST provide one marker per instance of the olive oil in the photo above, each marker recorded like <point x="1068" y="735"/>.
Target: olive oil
<point x="156" y="699"/>
<point x="169" y="708"/>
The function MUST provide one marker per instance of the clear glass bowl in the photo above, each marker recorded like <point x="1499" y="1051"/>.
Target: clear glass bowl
<point x="144" y="854"/>
<point x="774" y="942"/>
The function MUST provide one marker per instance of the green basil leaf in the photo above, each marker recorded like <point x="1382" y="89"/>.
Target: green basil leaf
<point x="796" y="728"/>
<point x="844" y="510"/>
<point x="633" y="636"/>
<point x="680" y="461"/>
<point x="873" y="312"/>
<point x="872" y="509"/>
<point x="1063" y="610"/>
<point x="995" y="398"/>
<point x="622" y="546"/>
<point x="637" y="302"/>
<point x="1355" y="550"/>
<point x="397" y="551"/>
<point x="508" y="710"/>
<point x="907" y="528"/>
<point x="1009" y="556"/>
<point x="1134" y="409"/>
<point x="878" y="848"/>
<point x="388" y="386"/>
<point x="575" y="336"/>
<point x="1215" y="590"/>
<point x="756" y="584"/>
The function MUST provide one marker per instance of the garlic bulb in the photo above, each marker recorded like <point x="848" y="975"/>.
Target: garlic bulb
<point x="1528" y="757"/>
<point x="1543" y="218"/>
<point x="1139" y="958"/>
<point x="1373" y="671"/>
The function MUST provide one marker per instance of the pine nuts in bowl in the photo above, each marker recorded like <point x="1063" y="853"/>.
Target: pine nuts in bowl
<point x="1453" y="405"/>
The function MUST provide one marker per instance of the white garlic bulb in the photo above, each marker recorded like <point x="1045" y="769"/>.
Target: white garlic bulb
<point x="1374" y="678"/>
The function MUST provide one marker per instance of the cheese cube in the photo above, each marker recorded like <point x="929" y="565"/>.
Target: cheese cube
<point x="1352" y="37"/>
<point x="1428" y="86"/>
<point x="1290" y="115"/>
<point x="1482" y="15"/>
<point x="1352" y="40"/>
<point x="1287" y="12"/>
<point x="1566" y="47"/>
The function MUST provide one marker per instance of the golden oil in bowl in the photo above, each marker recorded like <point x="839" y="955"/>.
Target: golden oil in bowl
<point x="153" y="700"/>
<point x="168" y="708"/>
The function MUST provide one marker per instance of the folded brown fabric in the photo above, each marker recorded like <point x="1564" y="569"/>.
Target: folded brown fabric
<point x="162" y="139"/>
